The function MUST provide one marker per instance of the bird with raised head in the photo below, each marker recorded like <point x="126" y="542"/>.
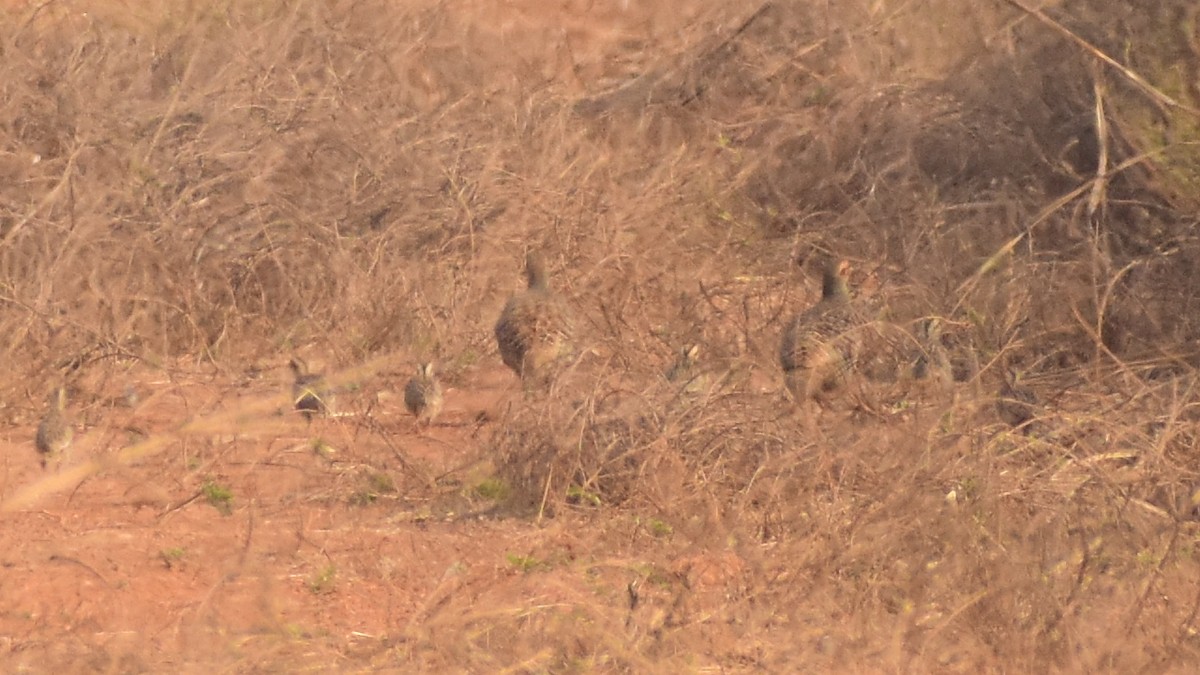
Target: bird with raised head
<point x="54" y="432"/>
<point x="534" y="331"/>
<point x="1016" y="404"/>
<point x="932" y="366"/>
<point x="423" y="394"/>
<point x="684" y="365"/>
<point x="685" y="371"/>
<point x="310" y="393"/>
<point x="820" y="346"/>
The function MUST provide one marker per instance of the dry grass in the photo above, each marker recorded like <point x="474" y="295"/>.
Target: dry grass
<point x="191" y="192"/>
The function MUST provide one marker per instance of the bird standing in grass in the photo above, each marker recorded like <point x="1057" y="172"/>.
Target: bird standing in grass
<point x="932" y="366"/>
<point x="685" y="370"/>
<point x="423" y="394"/>
<point x="310" y="394"/>
<point x="820" y="346"/>
<point x="685" y="363"/>
<point x="534" y="329"/>
<point x="54" y="433"/>
<point x="1016" y="403"/>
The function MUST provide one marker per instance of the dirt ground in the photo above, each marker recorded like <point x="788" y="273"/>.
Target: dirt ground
<point x="192" y="193"/>
<point x="342" y="546"/>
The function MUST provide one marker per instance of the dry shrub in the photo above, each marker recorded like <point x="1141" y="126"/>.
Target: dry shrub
<point x="587" y="447"/>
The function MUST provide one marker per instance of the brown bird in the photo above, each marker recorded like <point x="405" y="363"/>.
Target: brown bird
<point x="423" y="394"/>
<point x="686" y="371"/>
<point x="684" y="365"/>
<point x="1017" y="403"/>
<point x="534" y="329"/>
<point x="310" y="394"/>
<point x="54" y="433"/>
<point x="820" y="347"/>
<point x="932" y="365"/>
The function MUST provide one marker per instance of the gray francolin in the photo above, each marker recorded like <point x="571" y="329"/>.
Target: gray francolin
<point x="686" y="372"/>
<point x="310" y="394"/>
<point x="423" y="394"/>
<point x="1017" y="403"/>
<point x="534" y="329"/>
<point x="820" y="346"/>
<point x="54" y="432"/>
<point x="932" y="367"/>
<point x="684" y="365"/>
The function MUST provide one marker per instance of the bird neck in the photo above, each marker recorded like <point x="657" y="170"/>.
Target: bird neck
<point x="931" y="333"/>
<point x="833" y="285"/>
<point x="536" y="275"/>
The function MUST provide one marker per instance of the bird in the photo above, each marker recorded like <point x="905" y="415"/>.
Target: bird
<point x="684" y="365"/>
<point x="820" y="347"/>
<point x="1016" y="403"/>
<point x="534" y="330"/>
<point x="54" y="432"/>
<point x="423" y="394"/>
<point x="932" y="365"/>
<point x="685" y="370"/>
<point x="310" y="394"/>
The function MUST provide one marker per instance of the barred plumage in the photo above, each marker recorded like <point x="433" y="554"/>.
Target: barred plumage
<point x="685" y="371"/>
<point x="423" y="394"/>
<point x="534" y="329"/>
<point x="1017" y="403"/>
<point x="820" y="347"/>
<point x="684" y="364"/>
<point x="54" y="432"/>
<point x="932" y="365"/>
<point x="310" y="394"/>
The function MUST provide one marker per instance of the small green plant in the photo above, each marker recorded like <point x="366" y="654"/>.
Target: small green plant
<point x="323" y="449"/>
<point x="819" y="95"/>
<point x="323" y="581"/>
<point x="968" y="488"/>
<point x="381" y="482"/>
<point x="658" y="528"/>
<point x="467" y="358"/>
<point x="524" y="563"/>
<point x="653" y="575"/>
<point x="377" y="483"/>
<point x="172" y="557"/>
<point x="946" y="422"/>
<point x="578" y="495"/>
<point x="363" y="498"/>
<point x="492" y="489"/>
<point x="219" y="496"/>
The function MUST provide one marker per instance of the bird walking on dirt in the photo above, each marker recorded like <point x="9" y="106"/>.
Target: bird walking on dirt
<point x="820" y="346"/>
<point x="423" y="394"/>
<point x="1017" y="403"/>
<point x="310" y="394"/>
<point x="54" y="432"/>
<point x="534" y="330"/>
